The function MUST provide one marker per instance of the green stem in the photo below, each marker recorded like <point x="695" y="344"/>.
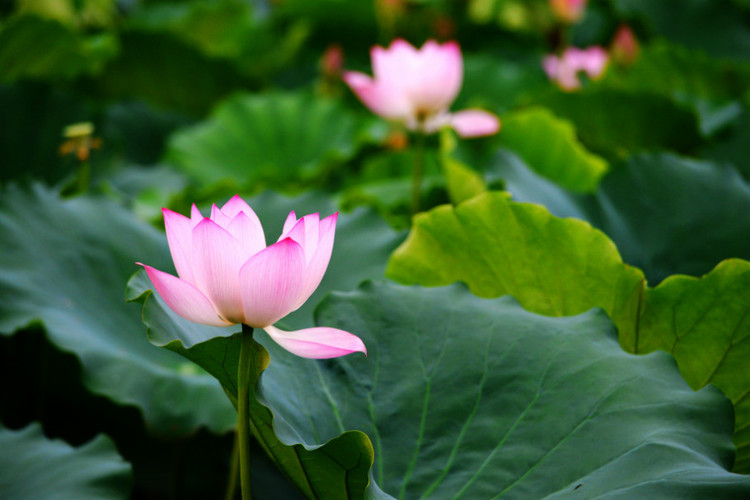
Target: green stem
<point x="243" y="412"/>
<point x="83" y="177"/>
<point x="418" y="173"/>
<point x="233" y="469"/>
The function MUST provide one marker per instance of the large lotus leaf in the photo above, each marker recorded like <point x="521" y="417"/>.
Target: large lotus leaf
<point x="705" y="324"/>
<point x="499" y="247"/>
<point x="508" y="172"/>
<point x="34" y="467"/>
<point x="553" y="266"/>
<point x="35" y="48"/>
<point x="462" y="182"/>
<point x="652" y="207"/>
<point x="65" y="264"/>
<point x="717" y="27"/>
<point x="560" y="157"/>
<point x="250" y="138"/>
<point x="671" y="215"/>
<point x="168" y="73"/>
<point x="616" y="123"/>
<point x="470" y="398"/>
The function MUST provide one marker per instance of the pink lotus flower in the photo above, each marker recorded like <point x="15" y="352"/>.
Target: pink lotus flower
<point x="625" y="47"/>
<point x="417" y="86"/>
<point x="568" y="11"/>
<point x="227" y="275"/>
<point x="565" y="68"/>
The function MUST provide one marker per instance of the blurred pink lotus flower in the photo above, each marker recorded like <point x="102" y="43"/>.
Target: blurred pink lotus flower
<point x="568" y="11"/>
<point x="332" y="62"/>
<point x="417" y="86"/>
<point x="564" y="69"/>
<point x="227" y="274"/>
<point x="625" y="47"/>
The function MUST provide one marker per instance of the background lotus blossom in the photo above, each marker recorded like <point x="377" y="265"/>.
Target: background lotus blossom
<point x="417" y="86"/>
<point x="624" y="47"/>
<point x="564" y="69"/>
<point x="227" y="275"/>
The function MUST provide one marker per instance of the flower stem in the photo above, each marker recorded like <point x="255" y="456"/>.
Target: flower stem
<point x="83" y="177"/>
<point x="233" y="469"/>
<point x="243" y="412"/>
<point x="418" y="173"/>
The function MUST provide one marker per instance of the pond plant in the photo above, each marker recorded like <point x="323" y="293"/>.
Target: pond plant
<point x="524" y="272"/>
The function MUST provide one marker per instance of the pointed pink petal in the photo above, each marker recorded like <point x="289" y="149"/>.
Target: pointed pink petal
<point x="317" y="343"/>
<point x="271" y="283"/>
<point x="318" y="263"/>
<point x="217" y="259"/>
<point x="475" y="123"/>
<point x="249" y="233"/>
<point x="183" y="298"/>
<point x="291" y="220"/>
<point x="180" y="239"/>
<point x="195" y="215"/>
<point x="297" y="232"/>
<point x="236" y="205"/>
<point x="378" y="97"/>
<point x="312" y="234"/>
<point x="219" y="217"/>
<point x="309" y="241"/>
<point x="306" y="232"/>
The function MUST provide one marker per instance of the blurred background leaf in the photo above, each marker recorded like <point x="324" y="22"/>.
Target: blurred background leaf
<point x="36" y="467"/>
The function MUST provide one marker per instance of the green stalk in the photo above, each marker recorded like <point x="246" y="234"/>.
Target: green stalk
<point x="83" y="177"/>
<point x="233" y="469"/>
<point x="243" y="411"/>
<point x="418" y="173"/>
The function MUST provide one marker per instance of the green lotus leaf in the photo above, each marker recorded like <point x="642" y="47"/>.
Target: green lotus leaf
<point x="553" y="266"/>
<point x="560" y="267"/>
<point x="463" y="397"/>
<point x="66" y="263"/>
<point x="704" y="323"/>
<point x="652" y="207"/>
<point x="32" y="466"/>
<point x="549" y="145"/>
<point x="276" y="137"/>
